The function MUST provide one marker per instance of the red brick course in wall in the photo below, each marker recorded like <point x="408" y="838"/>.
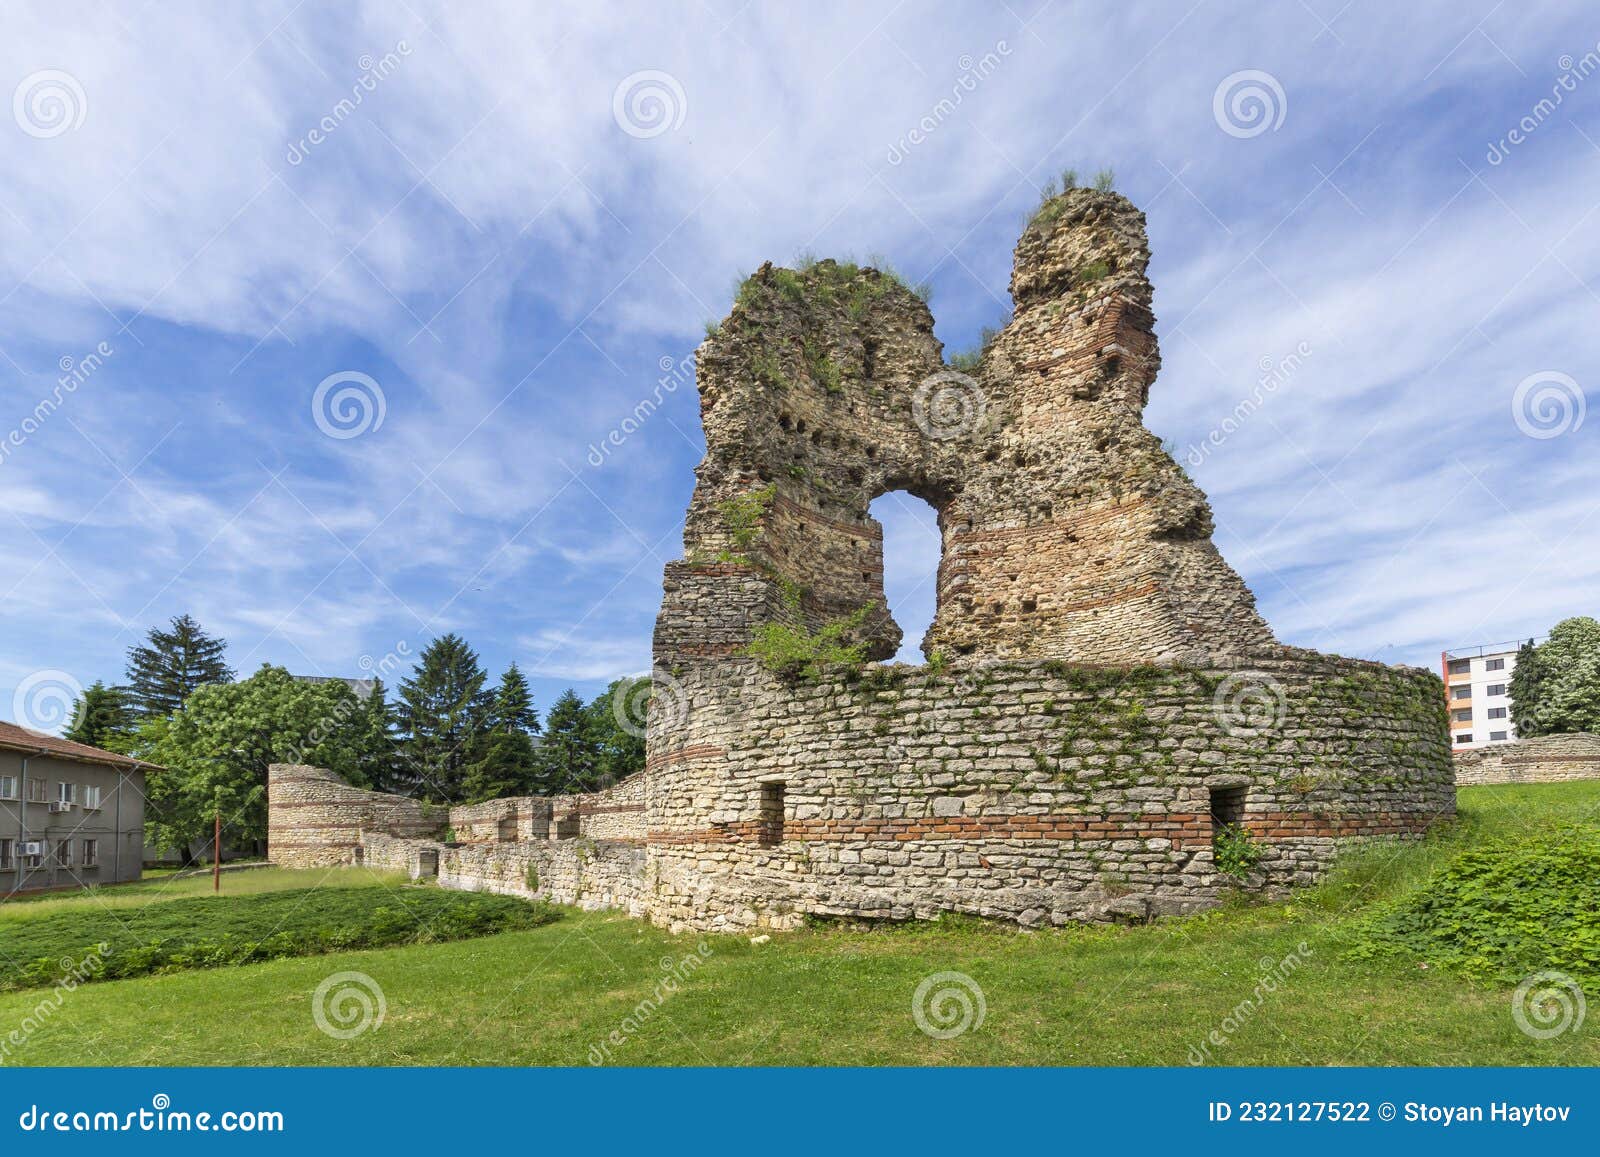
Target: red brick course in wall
<point x="663" y="759"/>
<point x="1183" y="830"/>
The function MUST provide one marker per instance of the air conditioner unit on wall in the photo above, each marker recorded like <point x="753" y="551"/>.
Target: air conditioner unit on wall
<point x="33" y="848"/>
<point x="56" y="808"/>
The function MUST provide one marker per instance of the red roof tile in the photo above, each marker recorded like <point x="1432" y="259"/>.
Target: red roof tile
<point x="14" y="738"/>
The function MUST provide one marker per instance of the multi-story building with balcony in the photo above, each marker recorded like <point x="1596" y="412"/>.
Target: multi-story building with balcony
<point x="1477" y="687"/>
<point x="70" y="814"/>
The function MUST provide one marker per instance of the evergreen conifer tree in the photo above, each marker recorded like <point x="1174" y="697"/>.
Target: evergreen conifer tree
<point x="172" y="664"/>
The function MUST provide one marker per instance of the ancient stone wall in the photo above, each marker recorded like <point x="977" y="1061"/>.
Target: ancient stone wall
<point x="1101" y="700"/>
<point x="1074" y="741"/>
<point x="1032" y="792"/>
<point x="1068" y="532"/>
<point x="583" y="872"/>
<point x="513" y="818"/>
<point x="315" y="819"/>
<point x="1541" y="759"/>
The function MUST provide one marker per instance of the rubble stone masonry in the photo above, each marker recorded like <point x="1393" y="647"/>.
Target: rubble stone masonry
<point x="1541" y="759"/>
<point x="1100" y="693"/>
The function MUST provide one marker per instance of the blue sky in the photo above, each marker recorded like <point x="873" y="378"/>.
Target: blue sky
<point x="510" y="249"/>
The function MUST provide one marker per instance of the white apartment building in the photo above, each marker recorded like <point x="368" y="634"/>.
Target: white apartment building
<point x="1477" y="683"/>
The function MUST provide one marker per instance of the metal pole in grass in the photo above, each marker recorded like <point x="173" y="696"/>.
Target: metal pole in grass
<point x="216" y="856"/>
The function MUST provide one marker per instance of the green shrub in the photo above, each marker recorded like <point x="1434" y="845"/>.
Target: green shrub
<point x="970" y="359"/>
<point x="218" y="931"/>
<point x="1234" y="852"/>
<point x="1501" y="911"/>
<point x="793" y="652"/>
<point x="742" y="514"/>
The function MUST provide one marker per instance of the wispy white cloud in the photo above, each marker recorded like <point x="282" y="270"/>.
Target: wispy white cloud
<point x="482" y="238"/>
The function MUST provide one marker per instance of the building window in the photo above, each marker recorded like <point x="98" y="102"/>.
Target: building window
<point x="8" y="787"/>
<point x="1464" y="716"/>
<point x="769" y="819"/>
<point x="36" y="789"/>
<point x="67" y="792"/>
<point x="91" y="853"/>
<point x="1494" y="665"/>
<point x="1497" y="736"/>
<point x="63" y="853"/>
<point x="1495" y="689"/>
<point x="1466" y="738"/>
<point x="1497" y="713"/>
<point x="1460" y="666"/>
<point x="1462" y="692"/>
<point x="8" y="854"/>
<point x="91" y="797"/>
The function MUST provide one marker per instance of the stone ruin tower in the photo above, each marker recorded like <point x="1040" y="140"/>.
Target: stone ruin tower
<point x="1101" y="696"/>
<point x="1068" y="531"/>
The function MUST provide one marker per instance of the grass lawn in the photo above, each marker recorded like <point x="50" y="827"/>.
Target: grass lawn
<point x="217" y="931"/>
<point x="832" y="995"/>
<point x="161" y="885"/>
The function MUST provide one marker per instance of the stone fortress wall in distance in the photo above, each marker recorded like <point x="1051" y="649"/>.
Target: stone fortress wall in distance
<point x="1100" y="696"/>
<point x="1541" y="759"/>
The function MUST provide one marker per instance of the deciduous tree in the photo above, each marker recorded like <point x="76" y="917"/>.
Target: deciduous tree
<point x="217" y="749"/>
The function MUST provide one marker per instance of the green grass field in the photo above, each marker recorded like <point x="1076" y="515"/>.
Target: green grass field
<point x="173" y="934"/>
<point x="161" y="885"/>
<point x="830" y="995"/>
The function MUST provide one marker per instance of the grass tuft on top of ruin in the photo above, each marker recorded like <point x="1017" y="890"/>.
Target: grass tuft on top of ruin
<point x="828" y="281"/>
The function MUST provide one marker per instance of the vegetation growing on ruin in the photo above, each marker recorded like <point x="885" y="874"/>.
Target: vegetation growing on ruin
<point x="829" y="282"/>
<point x="968" y="360"/>
<point x="742" y="515"/>
<point x="1235" y="853"/>
<point x="791" y="651"/>
<point x="768" y="370"/>
<point x="1051" y="208"/>
<point x="824" y="370"/>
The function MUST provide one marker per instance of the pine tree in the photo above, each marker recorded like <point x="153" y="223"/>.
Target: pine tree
<point x="513" y="704"/>
<point x="509" y="766"/>
<point x="171" y="665"/>
<point x="103" y="718"/>
<point x="379" y="748"/>
<point x="1527" y="691"/>
<point x="569" y="757"/>
<point x="442" y="712"/>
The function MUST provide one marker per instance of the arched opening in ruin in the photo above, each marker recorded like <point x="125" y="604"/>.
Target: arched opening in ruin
<point x="911" y="548"/>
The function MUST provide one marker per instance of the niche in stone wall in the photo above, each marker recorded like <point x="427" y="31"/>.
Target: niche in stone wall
<point x="1227" y="809"/>
<point x="769" y="815"/>
<point x="912" y="545"/>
